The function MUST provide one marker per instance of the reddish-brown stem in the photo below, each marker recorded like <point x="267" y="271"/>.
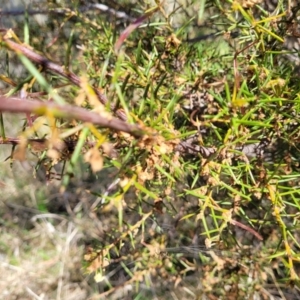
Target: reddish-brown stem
<point x="19" y="105"/>
<point x="49" y="65"/>
<point x="247" y="228"/>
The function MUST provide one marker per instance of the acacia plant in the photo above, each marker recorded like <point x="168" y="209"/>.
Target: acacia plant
<point x="191" y="113"/>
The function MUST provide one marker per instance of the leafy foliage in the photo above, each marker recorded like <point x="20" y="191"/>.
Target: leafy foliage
<point x="203" y="170"/>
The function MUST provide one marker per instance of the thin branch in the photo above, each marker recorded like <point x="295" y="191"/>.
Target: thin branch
<point x="19" y="105"/>
<point x="247" y="228"/>
<point x="55" y="68"/>
<point x="132" y="27"/>
<point x="48" y="65"/>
